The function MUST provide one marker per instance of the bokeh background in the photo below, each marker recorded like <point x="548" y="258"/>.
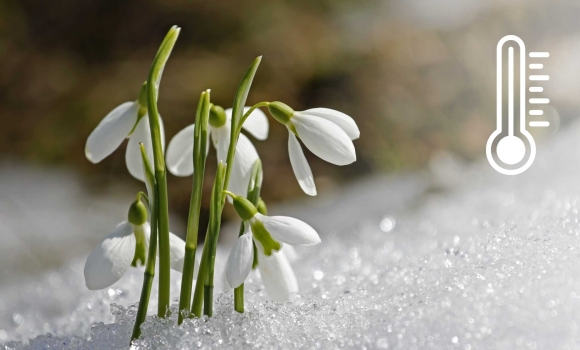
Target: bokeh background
<point x="417" y="76"/>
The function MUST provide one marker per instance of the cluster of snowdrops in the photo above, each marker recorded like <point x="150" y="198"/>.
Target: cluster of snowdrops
<point x="264" y="241"/>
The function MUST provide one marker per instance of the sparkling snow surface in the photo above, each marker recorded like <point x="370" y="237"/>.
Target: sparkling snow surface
<point x="479" y="261"/>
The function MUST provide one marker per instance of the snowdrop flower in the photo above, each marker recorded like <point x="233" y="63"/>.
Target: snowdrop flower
<point x="325" y="132"/>
<point x="126" y="246"/>
<point x="268" y="233"/>
<point x="179" y="158"/>
<point x="128" y="120"/>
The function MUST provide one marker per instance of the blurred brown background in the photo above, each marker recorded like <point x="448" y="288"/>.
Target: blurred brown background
<point x="417" y="76"/>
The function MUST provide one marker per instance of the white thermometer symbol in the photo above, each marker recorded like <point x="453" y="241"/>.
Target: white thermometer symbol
<point x="511" y="149"/>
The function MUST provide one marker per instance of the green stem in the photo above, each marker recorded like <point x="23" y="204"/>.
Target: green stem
<point x="199" y="157"/>
<point x="196" y="306"/>
<point x="213" y="233"/>
<point x="161" y="201"/>
<point x="247" y="114"/>
<point x="253" y="195"/>
<point x="152" y="254"/>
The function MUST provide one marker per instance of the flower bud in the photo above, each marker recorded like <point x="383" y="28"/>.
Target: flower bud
<point x="281" y="111"/>
<point x="245" y="209"/>
<point x="217" y="116"/>
<point x="137" y="213"/>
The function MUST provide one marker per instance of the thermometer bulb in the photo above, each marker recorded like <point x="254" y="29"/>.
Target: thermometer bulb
<point x="511" y="150"/>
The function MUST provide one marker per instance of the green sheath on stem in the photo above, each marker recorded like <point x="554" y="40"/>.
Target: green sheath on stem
<point x="152" y="254"/>
<point x="253" y="196"/>
<point x="200" y="139"/>
<point x="161" y="201"/>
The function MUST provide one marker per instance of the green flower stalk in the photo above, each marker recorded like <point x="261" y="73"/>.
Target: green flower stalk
<point x="199" y="158"/>
<point x="253" y="196"/>
<point x="151" y="256"/>
<point x="204" y="286"/>
<point x="213" y="234"/>
<point x="161" y="202"/>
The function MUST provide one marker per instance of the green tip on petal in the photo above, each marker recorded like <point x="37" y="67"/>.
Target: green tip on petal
<point x="261" y="235"/>
<point x="140" y="257"/>
<point x="281" y="111"/>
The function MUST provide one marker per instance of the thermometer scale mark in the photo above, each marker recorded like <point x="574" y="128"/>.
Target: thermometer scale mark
<point x="515" y="151"/>
<point x="540" y="124"/>
<point x="537" y="66"/>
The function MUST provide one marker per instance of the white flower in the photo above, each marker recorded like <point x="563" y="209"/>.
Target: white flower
<point x="179" y="156"/>
<point x="325" y="132"/>
<point x="276" y="272"/>
<point x="126" y="246"/>
<point x="268" y="233"/>
<point x="128" y="120"/>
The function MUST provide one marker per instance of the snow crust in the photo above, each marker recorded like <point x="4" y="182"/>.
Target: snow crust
<point x="485" y="261"/>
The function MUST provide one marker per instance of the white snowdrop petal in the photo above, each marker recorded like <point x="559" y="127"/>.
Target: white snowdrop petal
<point x="278" y="277"/>
<point x="325" y="139"/>
<point x="300" y="166"/>
<point x="111" y="258"/>
<point x="244" y="159"/>
<point x="256" y="124"/>
<point x="240" y="261"/>
<point x="111" y="131"/>
<point x="344" y="121"/>
<point x="289" y="230"/>
<point x="179" y="155"/>
<point x="142" y="133"/>
<point x="290" y="252"/>
<point x="221" y="141"/>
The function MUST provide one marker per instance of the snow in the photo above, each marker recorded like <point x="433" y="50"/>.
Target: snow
<point x="484" y="262"/>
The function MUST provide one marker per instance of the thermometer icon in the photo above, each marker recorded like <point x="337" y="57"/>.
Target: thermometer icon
<point x="512" y="150"/>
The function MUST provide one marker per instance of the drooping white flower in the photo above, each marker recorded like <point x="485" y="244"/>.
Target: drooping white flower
<point x="128" y="120"/>
<point x="179" y="157"/>
<point x="268" y="233"/>
<point x="127" y="246"/>
<point x="276" y="271"/>
<point x="325" y="132"/>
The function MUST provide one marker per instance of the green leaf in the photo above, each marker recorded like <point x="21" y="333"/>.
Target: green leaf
<point x="242" y="92"/>
<point x="153" y="81"/>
